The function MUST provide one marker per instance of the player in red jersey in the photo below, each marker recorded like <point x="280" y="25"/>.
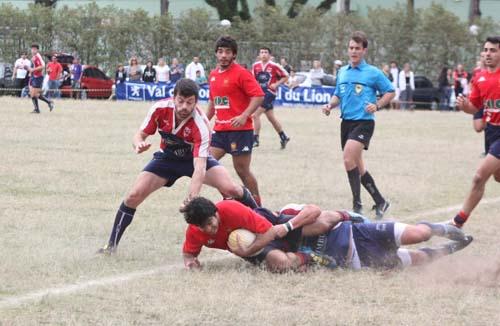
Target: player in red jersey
<point x="234" y="97"/>
<point x="269" y="75"/>
<point x="36" y="79"/>
<point x="185" y="138"/>
<point x="485" y="94"/>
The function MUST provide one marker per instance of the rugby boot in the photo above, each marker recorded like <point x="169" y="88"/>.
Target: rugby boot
<point x="381" y="209"/>
<point x="357" y="207"/>
<point x="51" y="105"/>
<point x="322" y="260"/>
<point x="454" y="246"/>
<point x="284" y="141"/>
<point x="35" y="111"/>
<point x="447" y="230"/>
<point x="107" y="250"/>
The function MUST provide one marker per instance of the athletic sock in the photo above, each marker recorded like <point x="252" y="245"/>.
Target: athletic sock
<point x="35" y="103"/>
<point x="256" y="138"/>
<point x="369" y="184"/>
<point x="123" y="218"/>
<point x="355" y="183"/>
<point x="282" y="135"/>
<point x="43" y="98"/>
<point x="460" y="218"/>
<point x="247" y="199"/>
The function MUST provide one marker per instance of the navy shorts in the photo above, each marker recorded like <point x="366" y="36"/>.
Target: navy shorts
<point x="376" y="245"/>
<point x="172" y="169"/>
<point x="358" y="130"/>
<point x="36" y="82"/>
<point x="268" y="100"/>
<point x="233" y="142"/>
<point x="492" y="140"/>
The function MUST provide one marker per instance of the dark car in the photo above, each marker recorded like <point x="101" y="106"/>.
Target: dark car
<point x="425" y="95"/>
<point x="6" y="80"/>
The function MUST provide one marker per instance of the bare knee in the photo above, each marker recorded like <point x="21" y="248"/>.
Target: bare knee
<point x="135" y="197"/>
<point x="277" y="261"/>
<point x="231" y="190"/>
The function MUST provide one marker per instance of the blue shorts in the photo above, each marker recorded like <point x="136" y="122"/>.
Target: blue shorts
<point x="492" y="140"/>
<point x="233" y="142"/>
<point x="171" y="169"/>
<point x="268" y="100"/>
<point x="36" y="82"/>
<point x="376" y="245"/>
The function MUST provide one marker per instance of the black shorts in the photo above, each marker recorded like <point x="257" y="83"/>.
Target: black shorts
<point x="268" y="100"/>
<point x="36" y="82"/>
<point x="376" y="245"/>
<point x="358" y="130"/>
<point x="233" y="142"/>
<point x="492" y="140"/>
<point x="171" y="169"/>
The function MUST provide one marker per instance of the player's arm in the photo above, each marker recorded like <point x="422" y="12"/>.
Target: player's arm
<point x="210" y="110"/>
<point x="139" y="143"/>
<point x="334" y="102"/>
<point x="283" y="80"/>
<point x="191" y="261"/>
<point x="200" y="167"/>
<point x="464" y="104"/>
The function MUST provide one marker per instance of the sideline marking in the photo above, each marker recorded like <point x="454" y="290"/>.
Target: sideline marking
<point x="16" y="301"/>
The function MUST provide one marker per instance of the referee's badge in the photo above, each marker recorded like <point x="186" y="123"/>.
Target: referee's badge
<point x="358" y="89"/>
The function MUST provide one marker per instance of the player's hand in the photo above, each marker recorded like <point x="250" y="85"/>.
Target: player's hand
<point x="192" y="264"/>
<point x="273" y="86"/>
<point x="280" y="230"/>
<point x="326" y="109"/>
<point x="239" y="120"/>
<point x="371" y="107"/>
<point x="186" y="201"/>
<point x="142" y="147"/>
<point x="461" y="101"/>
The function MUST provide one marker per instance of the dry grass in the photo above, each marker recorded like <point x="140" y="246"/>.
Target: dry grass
<point x="63" y="174"/>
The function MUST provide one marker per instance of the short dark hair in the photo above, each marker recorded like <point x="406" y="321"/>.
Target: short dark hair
<point x="266" y="48"/>
<point x="493" y="39"/>
<point x="199" y="210"/>
<point x="186" y="87"/>
<point x="34" y="45"/>
<point x="226" y="41"/>
<point x="360" y="37"/>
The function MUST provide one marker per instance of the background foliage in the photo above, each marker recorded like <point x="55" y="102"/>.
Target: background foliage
<point x="106" y="36"/>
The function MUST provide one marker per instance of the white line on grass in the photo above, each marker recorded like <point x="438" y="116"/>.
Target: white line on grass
<point x="16" y="301"/>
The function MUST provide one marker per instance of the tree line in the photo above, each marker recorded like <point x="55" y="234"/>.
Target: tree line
<point x="106" y="36"/>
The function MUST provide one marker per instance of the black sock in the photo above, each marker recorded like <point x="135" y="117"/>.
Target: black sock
<point x="282" y="135"/>
<point x="247" y="199"/>
<point x="369" y="184"/>
<point x="123" y="219"/>
<point x="43" y="98"/>
<point x="256" y="138"/>
<point x="354" y="182"/>
<point x="35" y="103"/>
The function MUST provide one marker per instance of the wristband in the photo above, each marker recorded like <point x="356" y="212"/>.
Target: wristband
<point x="288" y="226"/>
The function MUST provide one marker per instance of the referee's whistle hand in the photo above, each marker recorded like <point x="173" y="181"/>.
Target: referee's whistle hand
<point x="371" y="107"/>
<point x="326" y="109"/>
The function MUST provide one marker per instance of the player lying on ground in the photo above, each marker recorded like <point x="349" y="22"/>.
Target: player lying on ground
<point x="210" y="225"/>
<point x="355" y="246"/>
<point x="185" y="139"/>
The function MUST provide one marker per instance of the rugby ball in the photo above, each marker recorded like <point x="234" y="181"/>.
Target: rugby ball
<point x="246" y="238"/>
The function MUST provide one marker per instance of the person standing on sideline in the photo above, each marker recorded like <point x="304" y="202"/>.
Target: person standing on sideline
<point x="234" y="96"/>
<point x="176" y="70"/>
<point x="407" y="86"/>
<point x="149" y="74"/>
<point x="485" y="94"/>
<point x="76" y="77"/>
<point x="395" y="79"/>
<point x="193" y="67"/>
<point x="162" y="71"/>
<point x="20" y="73"/>
<point x="269" y="75"/>
<point x="36" y="79"/>
<point x="185" y="138"/>
<point x="356" y="92"/>
<point x="54" y="69"/>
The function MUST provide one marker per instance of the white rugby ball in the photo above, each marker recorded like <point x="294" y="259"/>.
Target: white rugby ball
<point x="225" y="23"/>
<point x="246" y="238"/>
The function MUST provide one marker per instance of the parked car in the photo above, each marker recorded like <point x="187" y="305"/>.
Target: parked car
<point x="6" y="80"/>
<point x="304" y="78"/>
<point x="425" y="94"/>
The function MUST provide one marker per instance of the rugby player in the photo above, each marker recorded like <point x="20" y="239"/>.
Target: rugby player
<point x="36" y="79"/>
<point x="185" y="138"/>
<point x="485" y="94"/>
<point x="269" y="75"/>
<point x="234" y="97"/>
<point x="357" y="87"/>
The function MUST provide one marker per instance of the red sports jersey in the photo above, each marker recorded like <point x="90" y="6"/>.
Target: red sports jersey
<point x="230" y="91"/>
<point x="191" y="138"/>
<point x="486" y="94"/>
<point x="37" y="61"/>
<point x="232" y="215"/>
<point x="268" y="74"/>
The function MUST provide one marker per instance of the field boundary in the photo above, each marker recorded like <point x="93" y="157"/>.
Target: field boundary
<point x="19" y="300"/>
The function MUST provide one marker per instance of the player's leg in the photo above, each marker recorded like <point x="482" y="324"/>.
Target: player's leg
<point x="241" y="165"/>
<point x="218" y="145"/>
<point x="488" y="167"/>
<point x="257" y="126"/>
<point x="280" y="261"/>
<point x="34" y="93"/>
<point x="145" y="184"/>
<point x="352" y="155"/>
<point x="426" y="255"/>
<point x="284" y="139"/>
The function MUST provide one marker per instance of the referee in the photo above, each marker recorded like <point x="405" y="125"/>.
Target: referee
<point x="357" y="86"/>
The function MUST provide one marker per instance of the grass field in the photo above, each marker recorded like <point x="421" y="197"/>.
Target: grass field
<point x="63" y="175"/>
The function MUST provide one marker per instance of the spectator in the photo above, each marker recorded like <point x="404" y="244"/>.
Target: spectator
<point x="293" y="80"/>
<point x="76" y="77"/>
<point x="20" y="74"/>
<point x="285" y="65"/>
<point x="120" y="75"/>
<point x="149" y="75"/>
<point x="407" y="86"/>
<point x="162" y="71"/>
<point x="395" y="79"/>
<point x="200" y="80"/>
<point x="54" y="69"/>
<point x="176" y="70"/>
<point x="134" y="70"/>
<point x="444" y="85"/>
<point x="460" y="79"/>
<point x="193" y="67"/>
<point x="317" y="73"/>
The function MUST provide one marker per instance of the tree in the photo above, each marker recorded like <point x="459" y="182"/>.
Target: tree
<point x="474" y="11"/>
<point x="46" y="3"/>
<point x="228" y="9"/>
<point x="164" y="6"/>
<point x="410" y="5"/>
